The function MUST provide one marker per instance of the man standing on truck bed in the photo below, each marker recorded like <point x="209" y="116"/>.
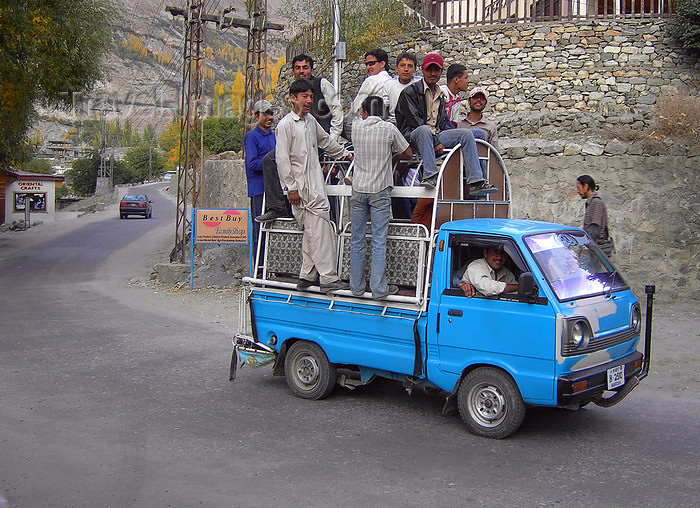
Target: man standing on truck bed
<point x="299" y="137"/>
<point x="488" y="275"/>
<point x="326" y="109"/>
<point x="373" y="139"/>
<point x="421" y="118"/>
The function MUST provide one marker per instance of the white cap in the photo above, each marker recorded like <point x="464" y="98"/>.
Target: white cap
<point x="478" y="89"/>
<point x="262" y="107"/>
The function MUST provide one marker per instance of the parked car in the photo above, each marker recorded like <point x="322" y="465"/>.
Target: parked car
<point x="135" y="204"/>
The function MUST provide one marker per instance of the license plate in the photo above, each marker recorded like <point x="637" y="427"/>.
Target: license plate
<point x="616" y="377"/>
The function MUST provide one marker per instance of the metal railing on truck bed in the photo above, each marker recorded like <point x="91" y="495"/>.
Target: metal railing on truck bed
<point x="410" y="245"/>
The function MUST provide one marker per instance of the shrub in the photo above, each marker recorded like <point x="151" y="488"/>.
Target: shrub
<point x="678" y="114"/>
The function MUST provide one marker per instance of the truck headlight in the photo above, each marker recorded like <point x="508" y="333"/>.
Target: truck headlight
<point x="636" y="318"/>
<point x="578" y="335"/>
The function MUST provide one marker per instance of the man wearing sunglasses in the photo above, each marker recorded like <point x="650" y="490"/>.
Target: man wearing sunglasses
<point x="376" y="61"/>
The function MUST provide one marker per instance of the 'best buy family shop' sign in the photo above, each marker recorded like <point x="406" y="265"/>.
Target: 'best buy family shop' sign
<point x="221" y="225"/>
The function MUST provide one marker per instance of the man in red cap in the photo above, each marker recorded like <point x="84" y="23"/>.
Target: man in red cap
<point x="421" y="118"/>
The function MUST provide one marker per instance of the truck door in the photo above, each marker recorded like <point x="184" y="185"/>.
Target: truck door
<point x="497" y="330"/>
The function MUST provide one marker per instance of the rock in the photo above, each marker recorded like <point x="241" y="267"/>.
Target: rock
<point x="591" y="148"/>
<point x="172" y="273"/>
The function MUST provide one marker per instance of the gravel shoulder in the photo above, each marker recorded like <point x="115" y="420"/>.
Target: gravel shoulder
<point x="130" y="276"/>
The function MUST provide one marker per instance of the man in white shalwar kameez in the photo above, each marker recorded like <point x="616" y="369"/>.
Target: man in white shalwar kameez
<point x="299" y="137"/>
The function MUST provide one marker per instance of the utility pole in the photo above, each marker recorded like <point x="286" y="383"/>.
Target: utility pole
<point x="105" y="178"/>
<point x="189" y="175"/>
<point x="338" y="47"/>
<point x="256" y="54"/>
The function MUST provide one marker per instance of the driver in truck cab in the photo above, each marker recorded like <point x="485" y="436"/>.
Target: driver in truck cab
<point x="488" y="276"/>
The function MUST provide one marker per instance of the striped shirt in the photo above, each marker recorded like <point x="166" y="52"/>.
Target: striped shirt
<point x="373" y="139"/>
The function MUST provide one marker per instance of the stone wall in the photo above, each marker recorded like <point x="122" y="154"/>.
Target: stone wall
<point x="593" y="77"/>
<point x="224" y="184"/>
<point x="651" y="195"/>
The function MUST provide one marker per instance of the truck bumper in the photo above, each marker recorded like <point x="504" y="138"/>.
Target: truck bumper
<point x="588" y="385"/>
<point x="247" y="352"/>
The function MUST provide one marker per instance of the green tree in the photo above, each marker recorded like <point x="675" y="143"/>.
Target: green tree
<point x="38" y="166"/>
<point x="149" y="135"/>
<point x="49" y="51"/>
<point x="684" y="27"/>
<point x="222" y="134"/>
<point x="139" y="158"/>
<point x="82" y="176"/>
<point x="123" y="173"/>
<point x="364" y="25"/>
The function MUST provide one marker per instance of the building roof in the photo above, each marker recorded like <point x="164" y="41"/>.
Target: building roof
<point x="26" y="175"/>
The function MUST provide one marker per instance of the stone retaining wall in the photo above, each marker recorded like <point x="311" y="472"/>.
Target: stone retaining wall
<point x="224" y="184"/>
<point x="652" y="200"/>
<point x="589" y="77"/>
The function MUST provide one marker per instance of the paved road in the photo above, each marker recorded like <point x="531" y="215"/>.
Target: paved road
<point x="109" y="397"/>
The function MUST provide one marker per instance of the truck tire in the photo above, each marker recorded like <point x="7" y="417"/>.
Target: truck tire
<point x="490" y="403"/>
<point x="308" y="372"/>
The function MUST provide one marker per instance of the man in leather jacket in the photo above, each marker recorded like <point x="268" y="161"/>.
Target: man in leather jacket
<point x="422" y="119"/>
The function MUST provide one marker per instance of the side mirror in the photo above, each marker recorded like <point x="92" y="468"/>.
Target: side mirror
<point x="526" y="286"/>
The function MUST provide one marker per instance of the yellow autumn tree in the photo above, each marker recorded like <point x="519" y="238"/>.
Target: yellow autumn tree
<point x="238" y="94"/>
<point x="169" y="140"/>
<point x="219" y="99"/>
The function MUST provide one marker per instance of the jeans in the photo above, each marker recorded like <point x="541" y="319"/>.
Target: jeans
<point x="422" y="139"/>
<point x="255" y="210"/>
<point x="378" y="205"/>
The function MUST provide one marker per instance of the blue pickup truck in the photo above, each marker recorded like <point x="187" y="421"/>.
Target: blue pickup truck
<point x="568" y="337"/>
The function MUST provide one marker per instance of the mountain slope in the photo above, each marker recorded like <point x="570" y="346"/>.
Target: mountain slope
<point x="143" y="73"/>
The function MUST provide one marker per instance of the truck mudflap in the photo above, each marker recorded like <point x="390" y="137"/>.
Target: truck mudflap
<point x="247" y="352"/>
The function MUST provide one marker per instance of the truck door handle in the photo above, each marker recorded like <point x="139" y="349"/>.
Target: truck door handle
<point x="453" y="312"/>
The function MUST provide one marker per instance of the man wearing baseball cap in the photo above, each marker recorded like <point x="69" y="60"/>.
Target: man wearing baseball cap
<point x="422" y="119"/>
<point x="258" y="143"/>
<point x="475" y="118"/>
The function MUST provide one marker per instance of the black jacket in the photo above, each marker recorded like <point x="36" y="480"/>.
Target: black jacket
<point x="412" y="111"/>
<point x="319" y="108"/>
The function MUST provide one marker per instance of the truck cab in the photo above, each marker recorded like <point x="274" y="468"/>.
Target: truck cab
<point x="566" y="338"/>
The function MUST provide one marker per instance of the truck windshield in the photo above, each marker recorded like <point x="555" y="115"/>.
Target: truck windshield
<point x="573" y="265"/>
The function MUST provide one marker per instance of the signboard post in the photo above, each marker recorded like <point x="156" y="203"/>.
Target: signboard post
<point x="220" y="226"/>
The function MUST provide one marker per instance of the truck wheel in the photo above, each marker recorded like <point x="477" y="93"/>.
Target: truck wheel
<point x="490" y="403"/>
<point x="309" y="373"/>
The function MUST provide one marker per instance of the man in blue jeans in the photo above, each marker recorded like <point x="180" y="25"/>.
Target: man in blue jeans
<point x="422" y="119"/>
<point x="373" y="139"/>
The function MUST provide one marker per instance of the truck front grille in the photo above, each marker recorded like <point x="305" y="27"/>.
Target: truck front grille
<point x="596" y="344"/>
